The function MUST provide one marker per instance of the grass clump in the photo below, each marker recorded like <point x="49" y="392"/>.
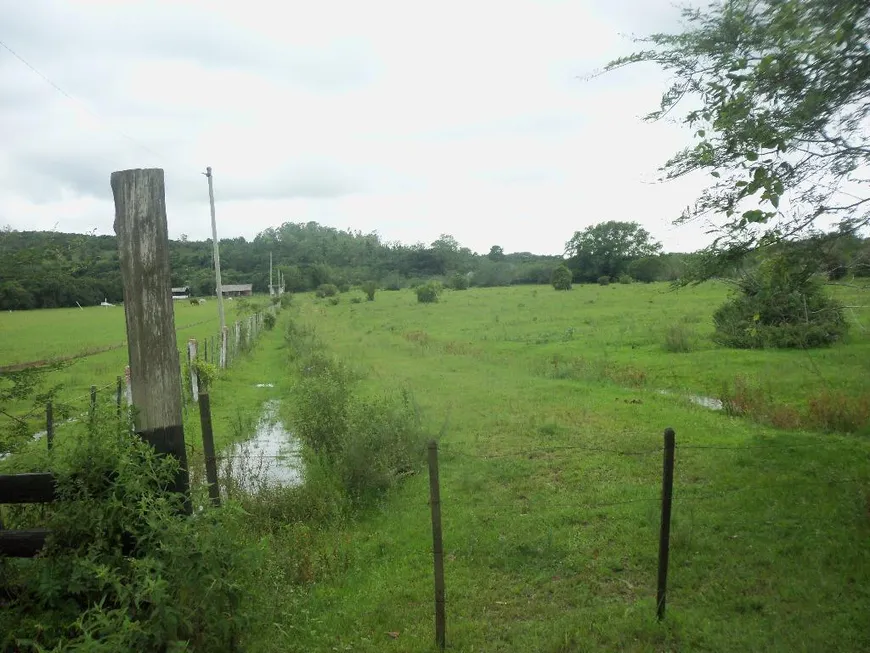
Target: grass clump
<point x="269" y="321"/>
<point x="679" y="339"/>
<point x="369" y="288"/>
<point x="326" y="290"/>
<point x="366" y="444"/>
<point x="428" y="293"/>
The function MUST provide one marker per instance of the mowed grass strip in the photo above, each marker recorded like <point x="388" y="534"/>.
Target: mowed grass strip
<point x="550" y="485"/>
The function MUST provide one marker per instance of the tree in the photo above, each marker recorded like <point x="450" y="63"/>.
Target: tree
<point x="646" y="269"/>
<point x="561" y="279"/>
<point x="496" y="253"/>
<point x="778" y="99"/>
<point x="606" y="249"/>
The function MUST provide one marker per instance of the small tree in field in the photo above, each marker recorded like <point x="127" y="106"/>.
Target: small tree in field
<point x="782" y="304"/>
<point x="562" y="277"/>
<point x="428" y="292"/>
<point x="369" y="288"/>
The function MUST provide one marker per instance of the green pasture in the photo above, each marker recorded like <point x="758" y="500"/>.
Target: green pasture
<point x="551" y="480"/>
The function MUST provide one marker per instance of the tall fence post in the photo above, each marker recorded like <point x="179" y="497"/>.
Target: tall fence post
<point x="194" y="378"/>
<point x="665" y="531"/>
<point x="93" y="405"/>
<point x="437" y="548"/>
<point x="118" y="393"/>
<point x="128" y="389"/>
<point x="223" y="358"/>
<point x="49" y="425"/>
<point x="208" y="449"/>
<point x="143" y="247"/>
<point x="238" y="338"/>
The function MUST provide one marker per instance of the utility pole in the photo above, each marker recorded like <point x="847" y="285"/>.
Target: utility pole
<point x="217" y="255"/>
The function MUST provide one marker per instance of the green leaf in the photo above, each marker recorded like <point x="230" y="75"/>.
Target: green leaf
<point x="774" y="199"/>
<point x="754" y="215"/>
<point x="715" y="174"/>
<point x="701" y="133"/>
<point x="752" y="156"/>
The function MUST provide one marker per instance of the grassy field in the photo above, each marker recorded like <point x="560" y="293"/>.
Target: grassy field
<point x="95" y="337"/>
<point x="550" y="477"/>
<point x="549" y="414"/>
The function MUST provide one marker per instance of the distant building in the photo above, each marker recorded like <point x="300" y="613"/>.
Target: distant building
<point x="181" y="293"/>
<point x="238" y="290"/>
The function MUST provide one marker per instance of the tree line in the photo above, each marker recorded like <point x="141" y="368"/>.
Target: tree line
<point x="40" y="269"/>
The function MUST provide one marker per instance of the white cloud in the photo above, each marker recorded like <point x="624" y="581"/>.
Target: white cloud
<point x="410" y="119"/>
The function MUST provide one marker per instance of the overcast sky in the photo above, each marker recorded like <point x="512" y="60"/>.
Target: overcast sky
<point x="409" y="118"/>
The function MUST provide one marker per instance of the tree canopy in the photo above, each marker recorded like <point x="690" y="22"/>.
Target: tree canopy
<point x="777" y="93"/>
<point x="606" y="249"/>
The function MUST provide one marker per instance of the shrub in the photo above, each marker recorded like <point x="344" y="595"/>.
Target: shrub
<point x="458" y="281"/>
<point x="269" y="320"/>
<point x="394" y="281"/>
<point x="837" y="412"/>
<point x="428" y="293"/>
<point x="604" y="281"/>
<point x="286" y="300"/>
<point x="343" y="287"/>
<point x="679" y="339"/>
<point x="369" y="444"/>
<point x="334" y="301"/>
<point x="122" y="570"/>
<point x="369" y="288"/>
<point x="326" y="290"/>
<point x="782" y="305"/>
<point x="625" y="278"/>
<point x="647" y="269"/>
<point x="275" y="300"/>
<point x="561" y="278"/>
<point x="356" y="300"/>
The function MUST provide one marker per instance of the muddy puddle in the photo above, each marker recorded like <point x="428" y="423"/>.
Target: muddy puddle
<point x="699" y="400"/>
<point x="272" y="457"/>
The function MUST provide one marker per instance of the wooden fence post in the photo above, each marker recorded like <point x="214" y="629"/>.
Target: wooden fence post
<point x="208" y="449"/>
<point x="93" y="409"/>
<point x="194" y="378"/>
<point x="223" y="358"/>
<point x="49" y="425"/>
<point x="238" y="338"/>
<point x="437" y="548"/>
<point x="128" y="390"/>
<point x="665" y="531"/>
<point x="143" y="247"/>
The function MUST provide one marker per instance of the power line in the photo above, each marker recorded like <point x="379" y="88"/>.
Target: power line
<point x="99" y="118"/>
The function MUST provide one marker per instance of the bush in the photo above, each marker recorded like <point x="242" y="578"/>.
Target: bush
<point x="356" y="300"/>
<point x="394" y="281"/>
<point x="781" y="305"/>
<point x="428" y="293"/>
<point x="334" y="301"/>
<point x="562" y="278"/>
<point x="369" y="288"/>
<point x="458" y="281"/>
<point x="625" y="278"/>
<point x="343" y="287"/>
<point x="286" y="300"/>
<point x="647" y="269"/>
<point x="122" y="570"/>
<point x="679" y="339"/>
<point x="269" y="320"/>
<point x="326" y="290"/>
<point x="604" y="281"/>
<point x="369" y="444"/>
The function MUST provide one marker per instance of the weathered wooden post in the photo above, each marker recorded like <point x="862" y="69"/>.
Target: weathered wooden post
<point x="208" y="449"/>
<point x="223" y="359"/>
<point x="143" y="246"/>
<point x="194" y="378"/>
<point x="118" y="393"/>
<point x="49" y="425"/>
<point x="128" y="386"/>
<point x="238" y="337"/>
